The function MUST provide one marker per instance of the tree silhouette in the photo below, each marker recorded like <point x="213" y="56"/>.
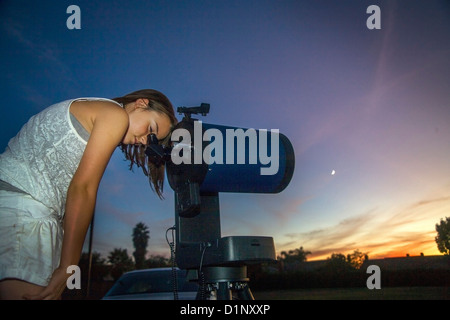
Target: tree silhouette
<point x="292" y="259"/>
<point x="357" y="258"/>
<point x="140" y="241"/>
<point x="120" y="262"/>
<point x="338" y="263"/>
<point x="443" y="236"/>
<point x="157" y="261"/>
<point x="296" y="255"/>
<point x="99" y="268"/>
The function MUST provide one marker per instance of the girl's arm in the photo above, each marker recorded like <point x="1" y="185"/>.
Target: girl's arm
<point x="110" y="123"/>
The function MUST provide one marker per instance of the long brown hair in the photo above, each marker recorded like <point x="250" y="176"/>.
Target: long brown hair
<point x="136" y="153"/>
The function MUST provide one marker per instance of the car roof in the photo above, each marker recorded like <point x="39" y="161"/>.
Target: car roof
<point x="151" y="270"/>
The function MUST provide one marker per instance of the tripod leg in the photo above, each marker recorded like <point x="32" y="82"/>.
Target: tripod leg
<point x="224" y="292"/>
<point x="245" y="293"/>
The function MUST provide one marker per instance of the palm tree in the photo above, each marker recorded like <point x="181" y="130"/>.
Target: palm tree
<point x="140" y="241"/>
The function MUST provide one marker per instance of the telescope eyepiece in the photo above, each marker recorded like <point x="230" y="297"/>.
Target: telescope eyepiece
<point x="157" y="153"/>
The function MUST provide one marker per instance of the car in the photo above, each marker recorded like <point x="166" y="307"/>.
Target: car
<point x="152" y="284"/>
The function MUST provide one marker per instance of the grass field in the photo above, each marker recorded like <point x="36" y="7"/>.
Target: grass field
<point x="390" y="293"/>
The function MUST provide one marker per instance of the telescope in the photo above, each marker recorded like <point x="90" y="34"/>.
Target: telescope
<point x="203" y="161"/>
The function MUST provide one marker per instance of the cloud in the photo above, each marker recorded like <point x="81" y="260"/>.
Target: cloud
<point x="285" y="208"/>
<point x="113" y="213"/>
<point x="394" y="232"/>
<point x="46" y="55"/>
<point x="335" y="238"/>
<point x="41" y="49"/>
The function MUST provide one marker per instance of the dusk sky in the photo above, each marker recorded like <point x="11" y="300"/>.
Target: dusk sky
<point x="370" y="106"/>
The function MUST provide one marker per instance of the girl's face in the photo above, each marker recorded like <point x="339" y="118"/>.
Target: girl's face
<point x="144" y="122"/>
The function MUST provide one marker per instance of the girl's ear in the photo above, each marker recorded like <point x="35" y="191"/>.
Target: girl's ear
<point x="141" y="103"/>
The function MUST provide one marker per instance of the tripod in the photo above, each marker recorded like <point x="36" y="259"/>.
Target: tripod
<point x="219" y="264"/>
<point x="224" y="283"/>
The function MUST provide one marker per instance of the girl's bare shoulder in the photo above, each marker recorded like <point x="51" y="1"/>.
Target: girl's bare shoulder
<point x="90" y="112"/>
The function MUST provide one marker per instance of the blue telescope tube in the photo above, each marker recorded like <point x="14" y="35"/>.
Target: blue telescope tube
<point x="252" y="176"/>
<point x="259" y="169"/>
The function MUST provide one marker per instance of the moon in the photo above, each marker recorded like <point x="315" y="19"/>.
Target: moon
<point x="333" y="172"/>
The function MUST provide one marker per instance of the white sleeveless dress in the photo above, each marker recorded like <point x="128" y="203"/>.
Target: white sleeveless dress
<point x="38" y="165"/>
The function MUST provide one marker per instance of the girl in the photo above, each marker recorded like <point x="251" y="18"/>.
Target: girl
<point x="49" y="176"/>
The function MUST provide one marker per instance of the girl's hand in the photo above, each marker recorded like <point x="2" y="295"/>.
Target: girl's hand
<point x="54" y="288"/>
